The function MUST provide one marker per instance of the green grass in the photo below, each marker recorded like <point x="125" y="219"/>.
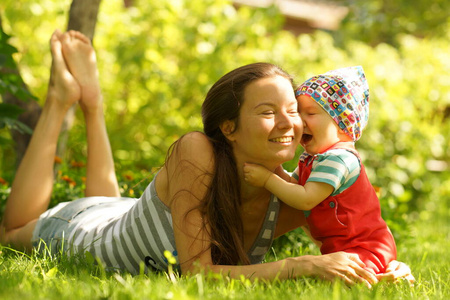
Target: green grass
<point x="44" y="277"/>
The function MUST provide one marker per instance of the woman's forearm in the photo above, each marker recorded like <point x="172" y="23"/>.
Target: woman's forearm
<point x="288" y="268"/>
<point x="340" y="265"/>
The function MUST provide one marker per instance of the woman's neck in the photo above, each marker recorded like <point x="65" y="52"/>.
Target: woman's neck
<point x="251" y="193"/>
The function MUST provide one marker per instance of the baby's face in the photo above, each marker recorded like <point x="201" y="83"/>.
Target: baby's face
<point x="320" y="131"/>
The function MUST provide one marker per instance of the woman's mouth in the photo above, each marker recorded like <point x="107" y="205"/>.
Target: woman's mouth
<point x="306" y="138"/>
<point x="282" y="140"/>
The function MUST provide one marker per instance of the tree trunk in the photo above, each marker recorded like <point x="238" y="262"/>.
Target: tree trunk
<point x="83" y="16"/>
<point x="128" y="3"/>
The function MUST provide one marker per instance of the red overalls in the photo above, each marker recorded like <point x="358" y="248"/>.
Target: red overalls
<point x="351" y="221"/>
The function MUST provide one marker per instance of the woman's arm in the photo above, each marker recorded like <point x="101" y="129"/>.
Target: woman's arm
<point x="335" y="266"/>
<point x="186" y="177"/>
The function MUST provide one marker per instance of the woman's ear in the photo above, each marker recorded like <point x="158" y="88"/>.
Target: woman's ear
<point x="227" y="127"/>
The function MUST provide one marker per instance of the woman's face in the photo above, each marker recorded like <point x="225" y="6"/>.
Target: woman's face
<point x="270" y="127"/>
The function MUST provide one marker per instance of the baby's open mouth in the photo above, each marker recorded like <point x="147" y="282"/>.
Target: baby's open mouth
<point x="306" y="138"/>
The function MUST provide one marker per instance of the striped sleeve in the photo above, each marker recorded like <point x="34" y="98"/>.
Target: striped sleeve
<point x="339" y="168"/>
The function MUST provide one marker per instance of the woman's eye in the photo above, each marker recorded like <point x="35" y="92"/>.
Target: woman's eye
<point x="268" y="113"/>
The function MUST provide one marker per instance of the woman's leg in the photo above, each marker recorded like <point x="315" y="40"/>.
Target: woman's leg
<point x="33" y="183"/>
<point x="80" y="57"/>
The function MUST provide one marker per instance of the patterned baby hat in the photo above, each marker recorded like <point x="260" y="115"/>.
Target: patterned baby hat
<point x="344" y="94"/>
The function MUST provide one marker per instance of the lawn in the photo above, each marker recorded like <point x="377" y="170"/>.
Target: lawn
<point x="43" y="277"/>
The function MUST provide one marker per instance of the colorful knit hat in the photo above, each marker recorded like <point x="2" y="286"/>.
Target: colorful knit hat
<point x="344" y="94"/>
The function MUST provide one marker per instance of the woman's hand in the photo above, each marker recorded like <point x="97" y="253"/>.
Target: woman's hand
<point x="343" y="266"/>
<point x="395" y="271"/>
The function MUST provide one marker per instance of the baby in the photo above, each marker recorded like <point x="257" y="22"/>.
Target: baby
<point x="330" y="184"/>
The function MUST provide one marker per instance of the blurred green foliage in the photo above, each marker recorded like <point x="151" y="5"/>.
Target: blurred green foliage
<point x="158" y="59"/>
<point x="10" y="82"/>
<point x="380" y="21"/>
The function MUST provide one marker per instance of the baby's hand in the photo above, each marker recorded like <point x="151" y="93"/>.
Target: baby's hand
<point x="397" y="271"/>
<point x="256" y="175"/>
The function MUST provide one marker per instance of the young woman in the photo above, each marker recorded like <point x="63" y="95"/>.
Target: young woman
<point x="198" y="207"/>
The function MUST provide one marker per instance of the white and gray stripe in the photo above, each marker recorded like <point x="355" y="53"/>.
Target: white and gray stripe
<point x="124" y="232"/>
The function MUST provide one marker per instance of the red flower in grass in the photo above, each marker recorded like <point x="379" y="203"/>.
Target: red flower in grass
<point x="128" y="177"/>
<point x="69" y="180"/>
<point x="77" y="164"/>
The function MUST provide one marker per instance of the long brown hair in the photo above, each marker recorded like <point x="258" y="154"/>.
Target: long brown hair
<point x="222" y="202"/>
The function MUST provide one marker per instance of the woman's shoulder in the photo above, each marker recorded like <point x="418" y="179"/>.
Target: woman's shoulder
<point x="190" y="157"/>
<point x="195" y="143"/>
<point x="193" y="147"/>
<point x="195" y="138"/>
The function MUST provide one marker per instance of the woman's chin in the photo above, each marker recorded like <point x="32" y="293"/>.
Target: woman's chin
<point x="285" y="157"/>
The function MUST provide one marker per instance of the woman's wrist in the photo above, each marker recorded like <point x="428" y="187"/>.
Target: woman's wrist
<point x="298" y="266"/>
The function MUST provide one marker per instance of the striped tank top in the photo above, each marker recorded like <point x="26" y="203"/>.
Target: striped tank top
<point x="131" y="234"/>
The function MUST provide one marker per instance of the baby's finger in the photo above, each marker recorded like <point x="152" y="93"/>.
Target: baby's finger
<point x="410" y="279"/>
<point x="392" y="266"/>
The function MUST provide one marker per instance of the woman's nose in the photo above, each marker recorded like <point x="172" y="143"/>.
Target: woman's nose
<point x="287" y="121"/>
<point x="284" y="121"/>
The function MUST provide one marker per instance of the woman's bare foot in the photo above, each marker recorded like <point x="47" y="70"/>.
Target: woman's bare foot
<point x="63" y="89"/>
<point x="81" y="60"/>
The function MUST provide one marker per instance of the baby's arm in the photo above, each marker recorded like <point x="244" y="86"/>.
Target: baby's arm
<point x="300" y="197"/>
<point x="283" y="174"/>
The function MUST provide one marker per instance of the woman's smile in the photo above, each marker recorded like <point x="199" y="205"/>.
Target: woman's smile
<point x="283" y="140"/>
